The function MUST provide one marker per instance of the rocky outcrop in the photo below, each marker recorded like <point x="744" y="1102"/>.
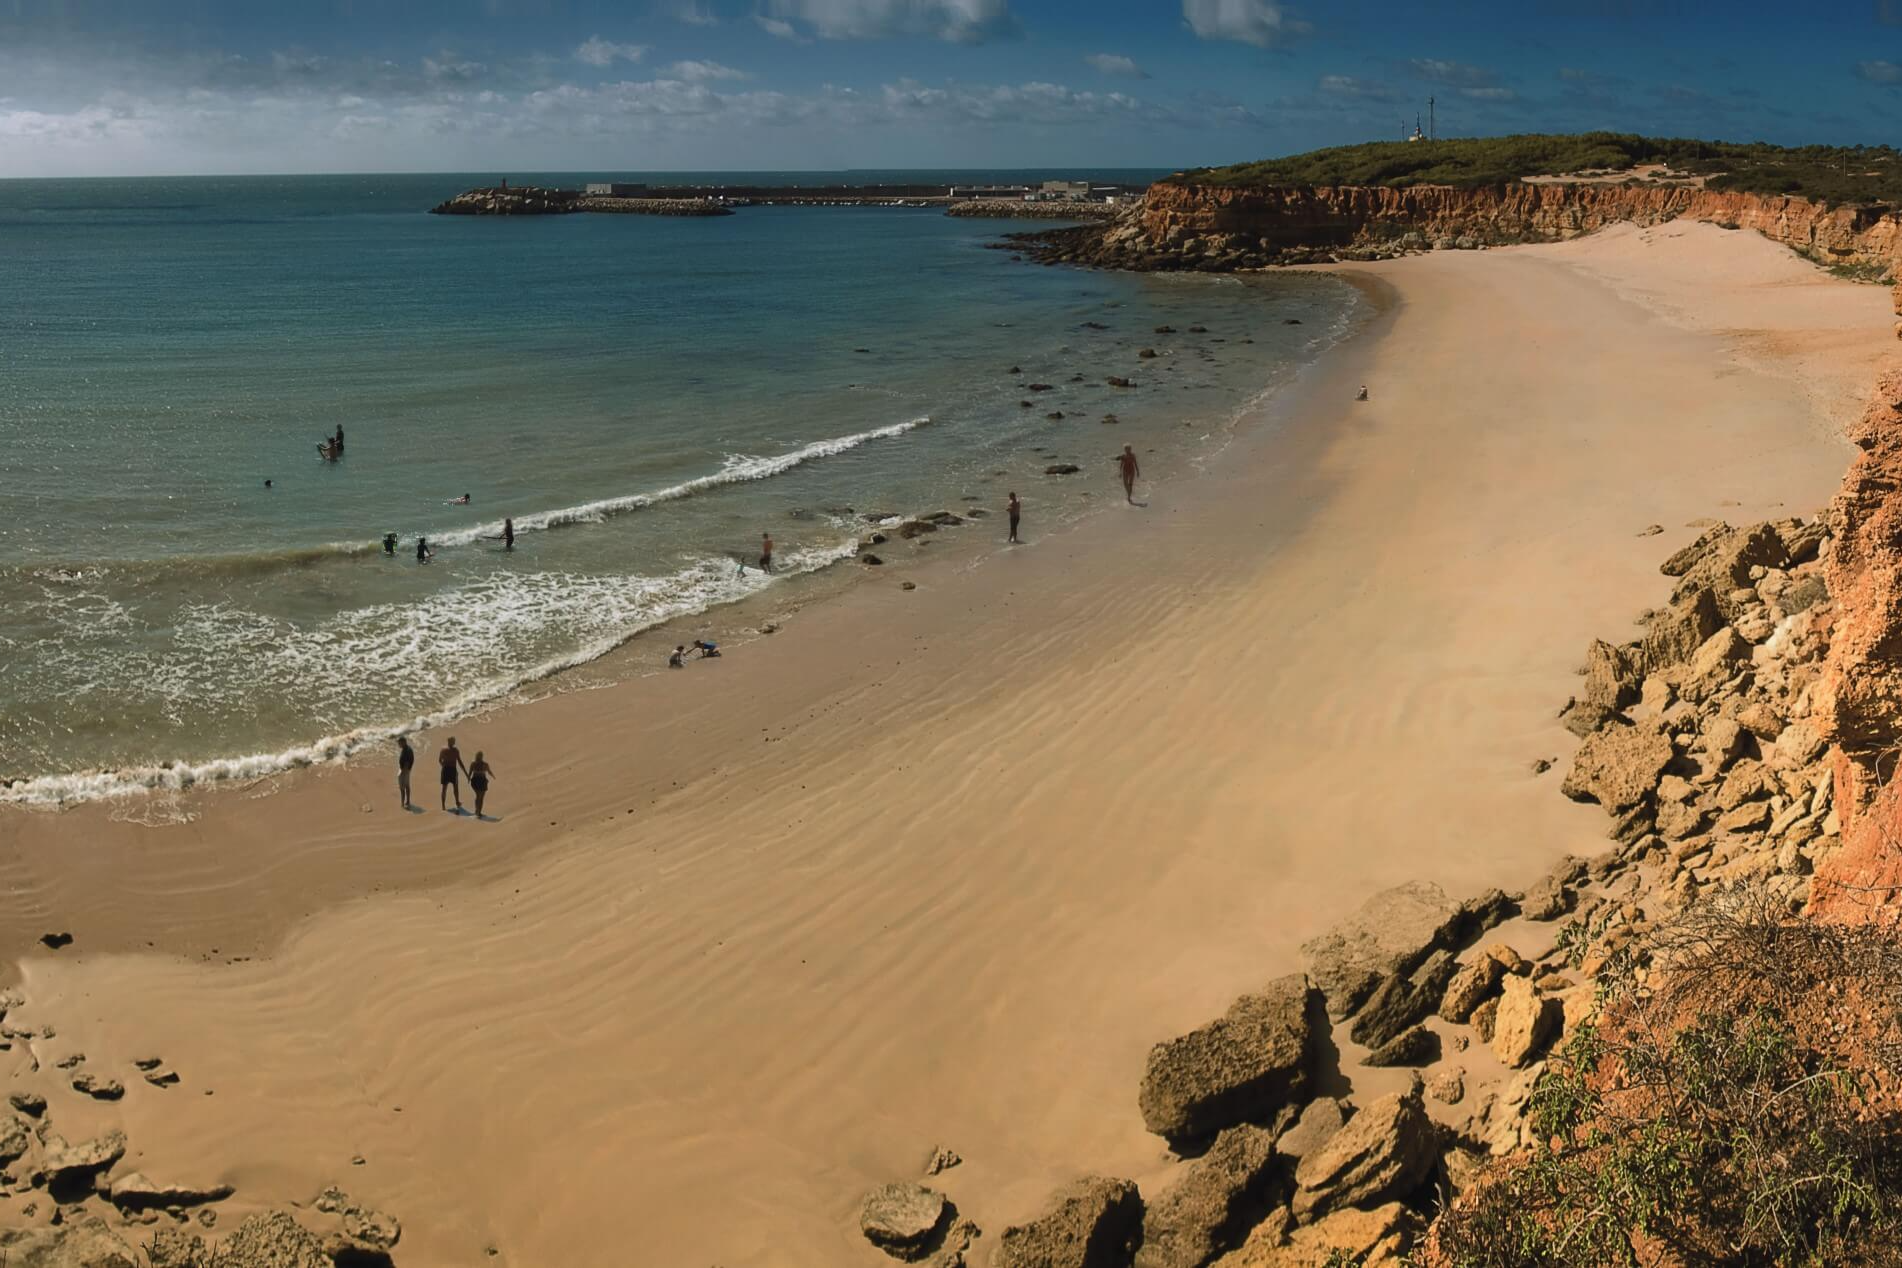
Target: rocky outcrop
<point x="1391" y="933"/>
<point x="1381" y="1155"/>
<point x="1209" y="1210"/>
<point x="1094" y="1223"/>
<point x="904" y="1220"/>
<point x="1247" y="1066"/>
<point x="1219" y="229"/>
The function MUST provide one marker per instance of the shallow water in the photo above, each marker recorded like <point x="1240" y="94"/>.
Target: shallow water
<point x="644" y="396"/>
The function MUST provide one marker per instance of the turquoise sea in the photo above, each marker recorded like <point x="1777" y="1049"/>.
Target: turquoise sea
<point x="643" y="395"/>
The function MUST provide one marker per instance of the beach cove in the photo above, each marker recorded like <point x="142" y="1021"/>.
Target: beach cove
<point x="937" y="867"/>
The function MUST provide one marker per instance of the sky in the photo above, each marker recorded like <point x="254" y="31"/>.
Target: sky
<point x="183" y="87"/>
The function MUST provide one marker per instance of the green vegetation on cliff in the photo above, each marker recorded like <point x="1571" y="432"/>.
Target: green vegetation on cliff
<point x="1827" y="173"/>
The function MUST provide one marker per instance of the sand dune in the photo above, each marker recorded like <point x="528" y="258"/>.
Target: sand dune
<point x="940" y="866"/>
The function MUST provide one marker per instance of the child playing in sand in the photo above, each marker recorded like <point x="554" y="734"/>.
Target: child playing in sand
<point x="679" y="659"/>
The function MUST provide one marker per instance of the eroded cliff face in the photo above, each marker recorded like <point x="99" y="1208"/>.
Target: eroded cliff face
<point x="1219" y="229"/>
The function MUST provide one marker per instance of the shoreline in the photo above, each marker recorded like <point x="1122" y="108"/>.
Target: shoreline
<point x="944" y="866"/>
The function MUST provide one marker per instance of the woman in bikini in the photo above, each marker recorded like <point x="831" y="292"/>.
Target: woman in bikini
<point x="479" y="773"/>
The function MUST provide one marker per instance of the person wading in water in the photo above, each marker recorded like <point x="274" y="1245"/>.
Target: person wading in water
<point x="1126" y="461"/>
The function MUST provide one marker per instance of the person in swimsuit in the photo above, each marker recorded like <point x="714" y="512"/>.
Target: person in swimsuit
<point x="1363" y="393"/>
<point x="423" y="553"/>
<point x="679" y="659"/>
<point x="451" y="761"/>
<point x="706" y="649"/>
<point x="508" y="533"/>
<point x="461" y="501"/>
<point x="340" y="440"/>
<point x="479" y="773"/>
<point x="765" y="552"/>
<point x="1016" y="510"/>
<point x="1126" y="462"/>
<point x="389" y="543"/>
<point x="405" y="759"/>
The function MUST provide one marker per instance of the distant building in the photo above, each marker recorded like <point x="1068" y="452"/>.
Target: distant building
<point x="990" y="191"/>
<point x="614" y="189"/>
<point x="1079" y="190"/>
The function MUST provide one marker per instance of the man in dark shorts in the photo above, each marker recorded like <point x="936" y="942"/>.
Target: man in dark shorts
<point x="1016" y="510"/>
<point x="765" y="552"/>
<point x="405" y="759"/>
<point x="1126" y="462"/>
<point x="451" y="760"/>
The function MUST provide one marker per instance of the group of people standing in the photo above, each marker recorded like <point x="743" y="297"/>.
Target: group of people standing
<point x="453" y="770"/>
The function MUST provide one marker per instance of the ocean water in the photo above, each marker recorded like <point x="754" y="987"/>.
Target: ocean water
<point x="644" y="396"/>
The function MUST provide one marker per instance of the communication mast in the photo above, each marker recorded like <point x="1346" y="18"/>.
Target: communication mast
<point x="1430" y="133"/>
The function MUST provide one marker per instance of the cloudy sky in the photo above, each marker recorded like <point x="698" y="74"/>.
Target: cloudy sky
<point x="107" y="87"/>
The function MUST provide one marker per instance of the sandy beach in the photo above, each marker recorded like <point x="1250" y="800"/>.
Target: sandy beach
<point x="937" y="867"/>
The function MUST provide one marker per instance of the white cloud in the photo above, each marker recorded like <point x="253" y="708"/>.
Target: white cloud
<point x="701" y="72"/>
<point x="1356" y="89"/>
<point x="596" y="51"/>
<point x="1879" y="72"/>
<point x="695" y="13"/>
<point x="959" y="21"/>
<point x="1262" y="23"/>
<point x="775" y="26"/>
<point x="1116" y="64"/>
<point x="451" y="67"/>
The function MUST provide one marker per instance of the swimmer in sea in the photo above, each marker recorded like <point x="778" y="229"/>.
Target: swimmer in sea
<point x="461" y="501"/>
<point x="267" y="483"/>
<point x="423" y="553"/>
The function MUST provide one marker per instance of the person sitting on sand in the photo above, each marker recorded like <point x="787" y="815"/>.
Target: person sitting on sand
<point x="423" y="553"/>
<point x="479" y="773"/>
<point x="405" y="759"/>
<point x="678" y="660"/>
<point x="707" y="650"/>
<point x="451" y="761"/>
<point x="1363" y="393"/>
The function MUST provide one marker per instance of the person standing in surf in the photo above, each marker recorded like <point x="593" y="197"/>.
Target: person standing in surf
<point x="1126" y="463"/>
<point x="405" y="760"/>
<point x="1016" y="511"/>
<point x="765" y="552"/>
<point x="451" y="761"/>
<point x="508" y="533"/>
<point x="479" y="773"/>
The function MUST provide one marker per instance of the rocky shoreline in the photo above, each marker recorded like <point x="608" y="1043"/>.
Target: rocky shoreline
<point x="1018" y="209"/>
<point x="1701" y="744"/>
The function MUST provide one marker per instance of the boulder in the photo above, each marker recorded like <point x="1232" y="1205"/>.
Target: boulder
<point x="1725" y="567"/>
<point x="1448" y="1086"/>
<point x="1243" y="1067"/>
<point x="1062" y="468"/>
<point x="64" y="1162"/>
<point x="1673" y="634"/>
<point x="1379" y="1236"/>
<point x="1381" y="1155"/>
<point x="98" y="1087"/>
<point x="14" y="1139"/>
<point x="1469" y="987"/>
<point x="136" y="1192"/>
<point x="1713" y="664"/>
<point x="1093" y="1223"/>
<point x="1760" y="720"/>
<point x="1483" y="1018"/>
<point x="942" y="1159"/>
<point x="1210" y="1209"/>
<point x="1619" y="766"/>
<point x="1723" y="740"/>
<point x="1682" y="561"/>
<point x="1524" y="1021"/>
<point x="1548" y="899"/>
<point x="84" y="1243"/>
<point x="32" y="1104"/>
<point x="1391" y="932"/>
<point x="1612" y="676"/>
<point x="903" y="1220"/>
<point x="1416" y="1045"/>
<point x="1319" y="1120"/>
<point x="1403" y="999"/>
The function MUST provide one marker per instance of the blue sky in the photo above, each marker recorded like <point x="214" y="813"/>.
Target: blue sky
<point x="107" y="87"/>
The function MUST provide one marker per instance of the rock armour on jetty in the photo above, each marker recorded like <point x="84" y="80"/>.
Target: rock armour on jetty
<point x="1221" y="229"/>
<point x="529" y="200"/>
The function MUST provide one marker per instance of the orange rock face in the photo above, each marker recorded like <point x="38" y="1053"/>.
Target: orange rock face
<point x="1859" y="697"/>
<point x="1365" y="215"/>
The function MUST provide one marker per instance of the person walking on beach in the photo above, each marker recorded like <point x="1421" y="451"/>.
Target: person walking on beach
<point x="451" y="761"/>
<point x="1126" y="462"/>
<point x="405" y="759"/>
<point x="508" y="532"/>
<point x="765" y="552"/>
<point x="1016" y="510"/>
<point x="479" y="773"/>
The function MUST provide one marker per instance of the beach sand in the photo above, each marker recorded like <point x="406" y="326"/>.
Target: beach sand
<point x="939" y="866"/>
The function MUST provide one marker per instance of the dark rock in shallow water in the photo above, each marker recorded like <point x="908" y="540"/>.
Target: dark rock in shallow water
<point x="54" y="941"/>
<point x="1062" y="468"/>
